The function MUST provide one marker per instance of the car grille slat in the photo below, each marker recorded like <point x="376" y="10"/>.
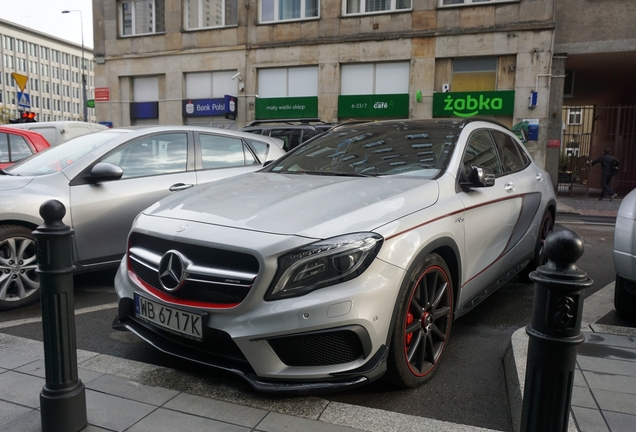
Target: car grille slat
<point x="213" y="276"/>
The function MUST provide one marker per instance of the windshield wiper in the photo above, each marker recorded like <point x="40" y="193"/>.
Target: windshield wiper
<point x="330" y="173"/>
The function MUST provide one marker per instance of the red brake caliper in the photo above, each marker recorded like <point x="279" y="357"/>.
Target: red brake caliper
<point x="409" y="320"/>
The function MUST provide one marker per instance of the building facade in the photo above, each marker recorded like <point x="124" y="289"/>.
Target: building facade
<point x="53" y="87"/>
<point x="187" y="61"/>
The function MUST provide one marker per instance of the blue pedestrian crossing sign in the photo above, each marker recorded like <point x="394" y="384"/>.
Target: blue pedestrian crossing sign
<point x="23" y="100"/>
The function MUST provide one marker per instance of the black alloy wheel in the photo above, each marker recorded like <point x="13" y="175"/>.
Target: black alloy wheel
<point x="423" y="324"/>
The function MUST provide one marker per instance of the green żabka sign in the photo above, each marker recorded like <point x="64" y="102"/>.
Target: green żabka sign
<point x="391" y="105"/>
<point x="470" y="104"/>
<point x="286" y="108"/>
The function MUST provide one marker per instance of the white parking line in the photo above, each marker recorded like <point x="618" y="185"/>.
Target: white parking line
<point x="39" y="319"/>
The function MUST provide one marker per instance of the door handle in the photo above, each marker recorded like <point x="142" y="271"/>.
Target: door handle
<point x="509" y="187"/>
<point x="180" y="186"/>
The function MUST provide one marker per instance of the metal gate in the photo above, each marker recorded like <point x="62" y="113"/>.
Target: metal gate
<point x="587" y="131"/>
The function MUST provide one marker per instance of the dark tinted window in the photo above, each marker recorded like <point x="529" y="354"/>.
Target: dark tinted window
<point x="481" y="151"/>
<point x="513" y="158"/>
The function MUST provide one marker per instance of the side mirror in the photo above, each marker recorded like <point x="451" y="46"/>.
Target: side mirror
<point x="105" y="171"/>
<point x="477" y="178"/>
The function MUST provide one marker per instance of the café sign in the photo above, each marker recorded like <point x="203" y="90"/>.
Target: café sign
<point x="470" y="104"/>
<point x="391" y="105"/>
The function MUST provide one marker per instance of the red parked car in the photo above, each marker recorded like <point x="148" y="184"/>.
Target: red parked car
<point x="17" y="144"/>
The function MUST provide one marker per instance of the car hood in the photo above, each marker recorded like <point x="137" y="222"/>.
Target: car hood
<point x="299" y="204"/>
<point x="9" y="182"/>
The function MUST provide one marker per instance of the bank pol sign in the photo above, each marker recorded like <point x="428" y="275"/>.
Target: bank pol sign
<point x="470" y="104"/>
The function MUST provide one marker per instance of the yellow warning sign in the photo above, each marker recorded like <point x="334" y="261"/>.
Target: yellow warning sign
<point x="21" y="80"/>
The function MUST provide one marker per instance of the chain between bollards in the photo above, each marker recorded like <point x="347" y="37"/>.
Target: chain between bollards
<point x="554" y="335"/>
<point x="63" y="397"/>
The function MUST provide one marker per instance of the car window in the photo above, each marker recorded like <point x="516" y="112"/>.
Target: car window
<point x="480" y="151"/>
<point x="151" y="155"/>
<point x="58" y="157"/>
<point x="513" y="158"/>
<point x="260" y="148"/>
<point x="19" y="148"/>
<point x="223" y="152"/>
<point x="4" y="148"/>
<point x="373" y="149"/>
<point x="291" y="137"/>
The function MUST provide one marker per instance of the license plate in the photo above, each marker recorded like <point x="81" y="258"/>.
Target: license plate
<point x="186" y="324"/>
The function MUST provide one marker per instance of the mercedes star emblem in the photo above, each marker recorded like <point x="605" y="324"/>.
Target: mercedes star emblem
<point x="172" y="270"/>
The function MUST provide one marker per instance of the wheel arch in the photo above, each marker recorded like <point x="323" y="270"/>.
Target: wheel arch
<point x="448" y="250"/>
<point x="22" y="223"/>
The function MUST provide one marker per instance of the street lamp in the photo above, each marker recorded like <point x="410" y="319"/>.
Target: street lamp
<point x="82" y="65"/>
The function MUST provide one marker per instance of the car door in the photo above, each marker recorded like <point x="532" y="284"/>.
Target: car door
<point x="154" y="166"/>
<point x="528" y="182"/>
<point x="221" y="156"/>
<point x="490" y="216"/>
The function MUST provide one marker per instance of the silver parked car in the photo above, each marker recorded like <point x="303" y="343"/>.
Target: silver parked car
<point x="105" y="179"/>
<point x="625" y="257"/>
<point x="345" y="260"/>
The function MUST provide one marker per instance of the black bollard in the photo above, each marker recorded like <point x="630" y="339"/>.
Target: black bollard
<point x="63" y="397"/>
<point x="554" y="335"/>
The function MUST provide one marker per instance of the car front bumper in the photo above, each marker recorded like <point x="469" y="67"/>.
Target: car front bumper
<point x="331" y="339"/>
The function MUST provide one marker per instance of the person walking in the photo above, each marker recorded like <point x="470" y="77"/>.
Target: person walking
<point x="609" y="167"/>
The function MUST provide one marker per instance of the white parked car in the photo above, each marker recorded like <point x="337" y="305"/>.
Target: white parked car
<point x="104" y="180"/>
<point x="625" y="257"/>
<point x="345" y="260"/>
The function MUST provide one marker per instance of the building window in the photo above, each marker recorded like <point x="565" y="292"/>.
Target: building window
<point x="288" y="82"/>
<point x="140" y="17"/>
<point x="375" y="6"/>
<point x="211" y="13"/>
<point x="474" y="74"/>
<point x="471" y="2"/>
<point x="575" y="116"/>
<point x="284" y="10"/>
<point x="374" y="78"/>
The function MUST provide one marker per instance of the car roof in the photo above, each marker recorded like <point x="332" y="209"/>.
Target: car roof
<point x="23" y="132"/>
<point x="141" y="129"/>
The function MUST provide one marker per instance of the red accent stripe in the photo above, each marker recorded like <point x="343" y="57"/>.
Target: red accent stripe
<point x="149" y="289"/>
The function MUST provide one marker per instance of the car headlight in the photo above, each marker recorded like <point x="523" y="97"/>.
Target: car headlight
<point x="323" y="263"/>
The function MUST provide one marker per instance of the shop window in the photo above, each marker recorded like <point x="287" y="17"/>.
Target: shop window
<point x="472" y="2"/>
<point x="352" y="7"/>
<point x="374" y="78"/>
<point x="575" y="116"/>
<point x="202" y="14"/>
<point x="139" y="17"/>
<point x="475" y="74"/>
<point x="288" y="82"/>
<point x="285" y="10"/>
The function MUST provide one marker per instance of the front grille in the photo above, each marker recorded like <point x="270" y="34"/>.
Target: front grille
<point x="214" y="276"/>
<point x="318" y="349"/>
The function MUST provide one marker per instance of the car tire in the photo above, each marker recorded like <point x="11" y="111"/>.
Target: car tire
<point x="625" y="297"/>
<point x="422" y="324"/>
<point x="540" y="257"/>
<point x="19" y="282"/>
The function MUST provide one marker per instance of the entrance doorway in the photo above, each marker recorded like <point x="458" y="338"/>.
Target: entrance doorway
<point x="587" y="131"/>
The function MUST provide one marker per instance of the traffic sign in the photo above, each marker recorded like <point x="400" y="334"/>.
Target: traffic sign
<point x="21" y="80"/>
<point x="90" y="103"/>
<point x="23" y="100"/>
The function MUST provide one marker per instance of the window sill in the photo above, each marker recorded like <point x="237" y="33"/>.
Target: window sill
<point x="289" y="21"/>
<point x="463" y="5"/>
<point x="384" y="12"/>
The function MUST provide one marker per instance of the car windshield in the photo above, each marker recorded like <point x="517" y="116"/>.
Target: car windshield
<point x="58" y="157"/>
<point x="374" y="149"/>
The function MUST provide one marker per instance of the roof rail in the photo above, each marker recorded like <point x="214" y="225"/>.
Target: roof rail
<point x="286" y="121"/>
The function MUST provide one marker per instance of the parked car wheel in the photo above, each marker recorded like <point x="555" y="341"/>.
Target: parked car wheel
<point x="625" y="297"/>
<point x="422" y="325"/>
<point x="540" y="257"/>
<point x="19" y="283"/>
